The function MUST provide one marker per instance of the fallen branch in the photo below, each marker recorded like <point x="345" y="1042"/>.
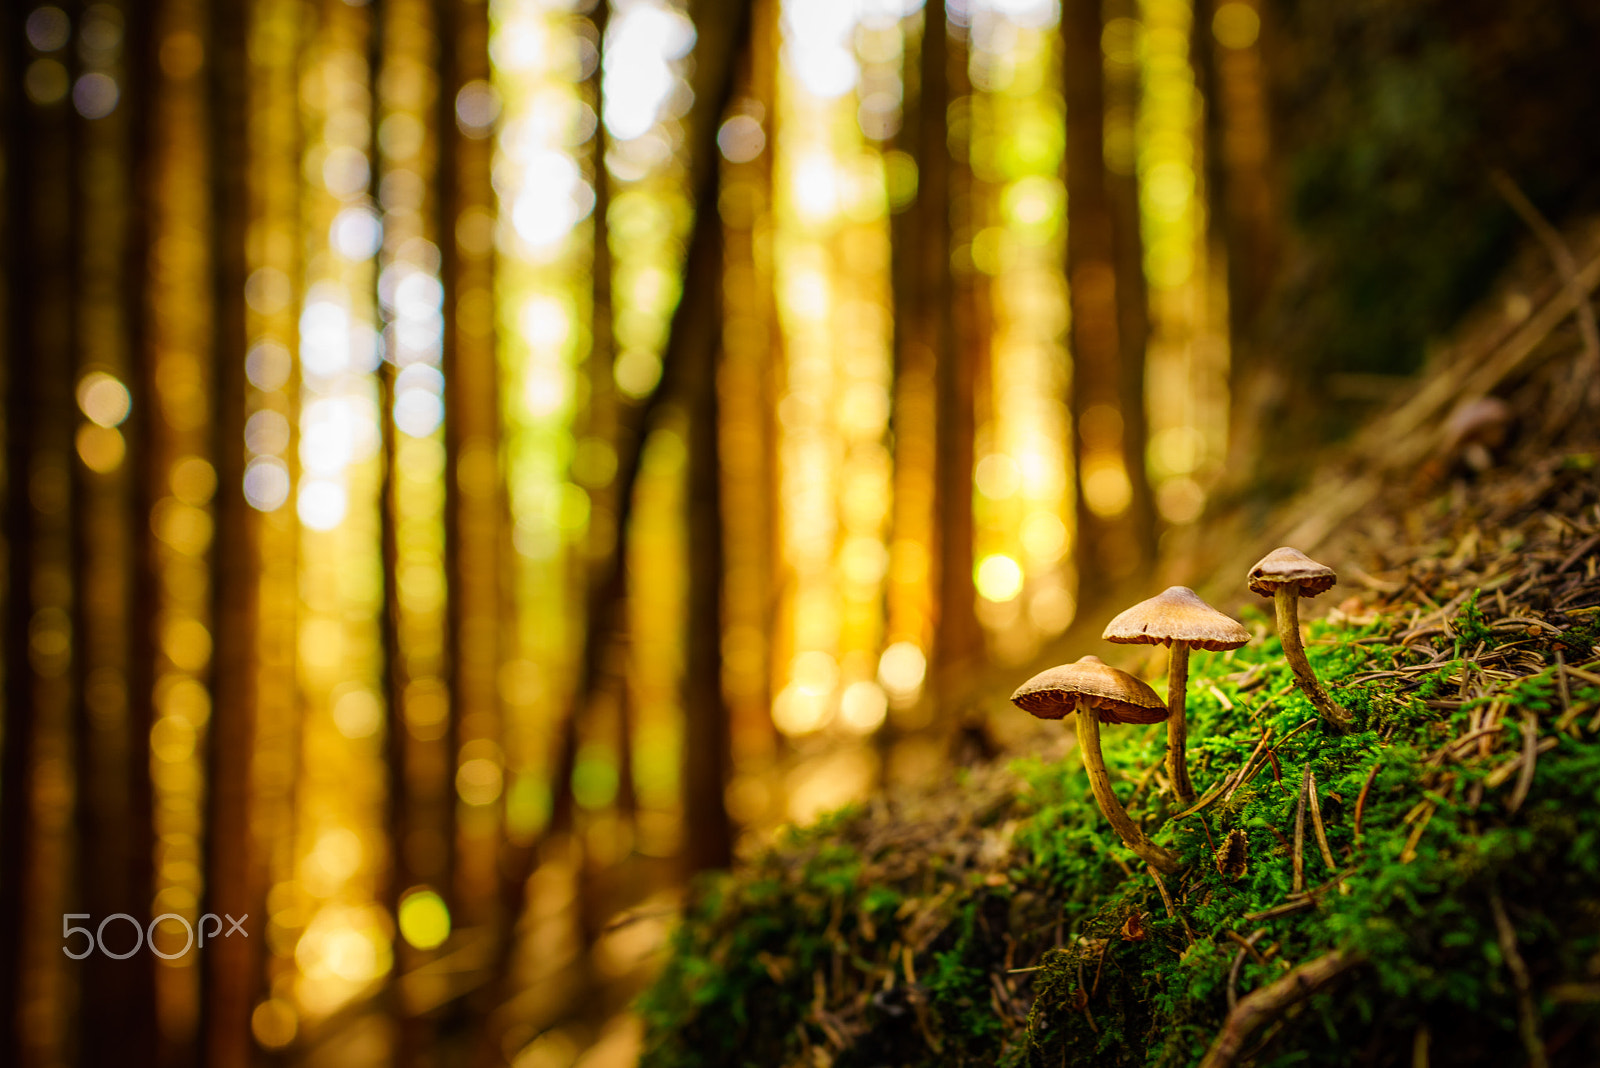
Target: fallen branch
<point x="1271" y="1001"/>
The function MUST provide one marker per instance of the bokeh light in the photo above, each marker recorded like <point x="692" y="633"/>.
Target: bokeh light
<point x="424" y="918"/>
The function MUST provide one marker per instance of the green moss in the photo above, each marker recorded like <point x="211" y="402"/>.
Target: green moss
<point x="847" y="945"/>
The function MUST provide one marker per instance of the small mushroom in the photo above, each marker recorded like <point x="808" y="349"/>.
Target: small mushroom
<point x="1476" y="430"/>
<point x="1180" y="619"/>
<point x="1286" y="575"/>
<point x="1099" y="693"/>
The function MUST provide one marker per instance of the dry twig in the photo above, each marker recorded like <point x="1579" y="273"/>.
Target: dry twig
<point x="1246" y="946"/>
<point x="1270" y="1001"/>
<point x="1166" y="899"/>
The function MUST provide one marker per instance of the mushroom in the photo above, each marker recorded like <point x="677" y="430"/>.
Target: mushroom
<point x="1099" y="693"/>
<point x="1180" y="619"/>
<point x="1476" y="430"/>
<point x="1286" y="575"/>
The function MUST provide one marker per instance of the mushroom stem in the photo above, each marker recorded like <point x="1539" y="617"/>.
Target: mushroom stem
<point x="1177" y="725"/>
<point x="1286" y="599"/>
<point x="1100" y="782"/>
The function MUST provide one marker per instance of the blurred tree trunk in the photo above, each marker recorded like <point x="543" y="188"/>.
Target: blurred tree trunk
<point x="481" y="625"/>
<point x="696" y="332"/>
<point x="911" y="409"/>
<point x="411" y="766"/>
<point x="919" y="232"/>
<point x="957" y="639"/>
<point x="1109" y="462"/>
<point x="111" y="536"/>
<point x="37" y="240"/>
<point x="401" y="763"/>
<point x="1244" y="216"/>
<point x="139" y="1041"/>
<point x="602" y="422"/>
<point x="471" y="528"/>
<point x="229" y="977"/>
<point x="751" y="359"/>
<point x="1123" y="92"/>
<point x="42" y="310"/>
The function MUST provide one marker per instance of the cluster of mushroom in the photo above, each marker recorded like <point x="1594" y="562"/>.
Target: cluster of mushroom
<point x="1180" y="619"/>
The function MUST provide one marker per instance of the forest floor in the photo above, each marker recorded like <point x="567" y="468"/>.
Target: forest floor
<point x="1423" y="890"/>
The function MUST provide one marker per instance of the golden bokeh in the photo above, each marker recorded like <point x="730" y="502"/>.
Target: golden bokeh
<point x="507" y="483"/>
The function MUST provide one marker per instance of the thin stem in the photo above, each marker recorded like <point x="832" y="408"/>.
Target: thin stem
<point x="1178" y="724"/>
<point x="1100" y="782"/>
<point x="1286" y="599"/>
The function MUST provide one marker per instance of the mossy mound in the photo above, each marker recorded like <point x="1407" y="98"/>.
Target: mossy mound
<point x="999" y="921"/>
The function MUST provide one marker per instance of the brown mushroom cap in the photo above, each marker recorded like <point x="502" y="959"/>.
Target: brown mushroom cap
<point x="1176" y="615"/>
<point x="1285" y="567"/>
<point x="1115" y="695"/>
<point x="1485" y="420"/>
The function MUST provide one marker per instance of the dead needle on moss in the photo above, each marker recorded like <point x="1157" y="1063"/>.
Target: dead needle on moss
<point x="1409" y="853"/>
<point x="1316" y="822"/>
<point x="1361" y="799"/>
<point x="1300" y="832"/>
<point x="1247" y="946"/>
<point x="1530" y="758"/>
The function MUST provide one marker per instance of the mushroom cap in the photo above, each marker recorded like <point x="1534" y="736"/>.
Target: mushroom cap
<point x="1290" y="567"/>
<point x="1113" y="694"/>
<point x="1485" y="420"/>
<point x="1176" y="615"/>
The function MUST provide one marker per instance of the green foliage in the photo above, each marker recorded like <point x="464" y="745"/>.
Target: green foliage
<point x="1391" y="115"/>
<point x="907" y="960"/>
